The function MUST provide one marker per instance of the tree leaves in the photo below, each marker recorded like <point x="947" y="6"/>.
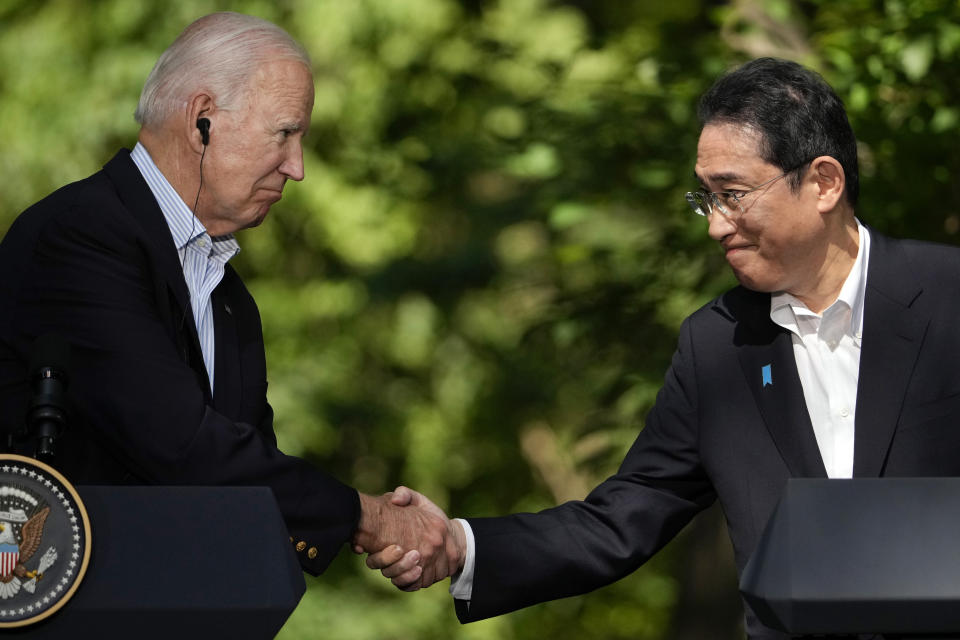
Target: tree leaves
<point x="476" y="289"/>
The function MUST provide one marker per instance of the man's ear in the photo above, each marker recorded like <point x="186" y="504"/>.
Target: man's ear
<point x="200" y="105"/>
<point x="831" y="182"/>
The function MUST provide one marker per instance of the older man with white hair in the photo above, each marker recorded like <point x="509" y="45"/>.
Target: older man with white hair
<point x="168" y="377"/>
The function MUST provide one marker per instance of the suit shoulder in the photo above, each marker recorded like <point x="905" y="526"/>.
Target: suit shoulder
<point x="87" y="199"/>
<point x="933" y="264"/>
<point x="931" y="254"/>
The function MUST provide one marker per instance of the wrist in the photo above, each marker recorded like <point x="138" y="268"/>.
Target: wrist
<point x="371" y="515"/>
<point x="460" y="541"/>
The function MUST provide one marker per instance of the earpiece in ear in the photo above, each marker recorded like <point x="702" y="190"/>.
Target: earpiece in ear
<point x="204" y="125"/>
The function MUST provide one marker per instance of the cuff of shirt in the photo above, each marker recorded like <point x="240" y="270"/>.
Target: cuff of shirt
<point x="461" y="584"/>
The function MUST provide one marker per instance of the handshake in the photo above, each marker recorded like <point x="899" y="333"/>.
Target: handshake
<point x="409" y="539"/>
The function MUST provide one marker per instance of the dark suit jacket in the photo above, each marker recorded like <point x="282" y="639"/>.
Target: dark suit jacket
<point x="95" y="263"/>
<point x="717" y="432"/>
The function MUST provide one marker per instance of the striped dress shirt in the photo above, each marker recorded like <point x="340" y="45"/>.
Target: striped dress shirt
<point x="202" y="257"/>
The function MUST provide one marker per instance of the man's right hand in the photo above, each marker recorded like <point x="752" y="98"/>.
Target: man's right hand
<point x="408" y="567"/>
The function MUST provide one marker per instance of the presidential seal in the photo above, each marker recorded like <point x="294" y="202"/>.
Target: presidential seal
<point x="44" y="541"/>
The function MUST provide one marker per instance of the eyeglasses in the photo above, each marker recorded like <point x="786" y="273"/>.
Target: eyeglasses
<point x="728" y="203"/>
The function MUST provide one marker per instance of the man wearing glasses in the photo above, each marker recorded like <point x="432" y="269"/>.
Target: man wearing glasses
<point x="836" y="357"/>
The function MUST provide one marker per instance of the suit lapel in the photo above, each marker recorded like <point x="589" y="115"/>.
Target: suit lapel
<point x="894" y="323"/>
<point x="770" y="370"/>
<point x="139" y="201"/>
<point x="227" y="381"/>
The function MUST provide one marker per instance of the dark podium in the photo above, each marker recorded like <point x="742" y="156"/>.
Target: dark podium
<point x="860" y="556"/>
<point x="181" y="562"/>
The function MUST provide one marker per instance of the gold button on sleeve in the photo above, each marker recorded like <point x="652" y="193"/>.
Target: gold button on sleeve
<point x="301" y="545"/>
<point x="312" y="553"/>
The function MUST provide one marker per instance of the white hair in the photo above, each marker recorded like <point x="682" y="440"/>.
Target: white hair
<point x="217" y="53"/>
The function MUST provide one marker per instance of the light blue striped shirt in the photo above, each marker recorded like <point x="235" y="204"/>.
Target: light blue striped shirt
<point x="202" y="257"/>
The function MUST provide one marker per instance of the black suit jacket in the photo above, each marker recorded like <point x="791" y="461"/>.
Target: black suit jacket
<point x="95" y="263"/>
<point x="717" y="432"/>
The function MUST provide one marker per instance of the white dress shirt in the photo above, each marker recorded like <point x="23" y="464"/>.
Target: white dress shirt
<point x="826" y="347"/>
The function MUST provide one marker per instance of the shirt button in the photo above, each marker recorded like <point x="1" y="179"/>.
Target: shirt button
<point x="202" y="242"/>
<point x="844" y="412"/>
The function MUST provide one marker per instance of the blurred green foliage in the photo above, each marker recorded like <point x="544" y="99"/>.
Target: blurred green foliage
<point x="476" y="290"/>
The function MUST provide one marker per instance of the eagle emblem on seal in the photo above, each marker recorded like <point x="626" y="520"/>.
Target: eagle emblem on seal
<point x="22" y="519"/>
<point x="44" y="541"/>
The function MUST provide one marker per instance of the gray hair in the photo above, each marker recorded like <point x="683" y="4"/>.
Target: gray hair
<point x="217" y="53"/>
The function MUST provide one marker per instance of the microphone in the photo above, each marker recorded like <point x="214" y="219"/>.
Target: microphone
<point x="48" y="374"/>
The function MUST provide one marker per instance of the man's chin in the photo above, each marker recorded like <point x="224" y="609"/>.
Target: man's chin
<point x="758" y="284"/>
<point x="258" y="219"/>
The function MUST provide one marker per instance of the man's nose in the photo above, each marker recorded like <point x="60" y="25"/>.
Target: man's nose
<point x="292" y="166"/>
<point x="720" y="226"/>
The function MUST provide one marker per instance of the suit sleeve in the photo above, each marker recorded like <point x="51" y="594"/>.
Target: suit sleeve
<point x="524" y="559"/>
<point x="88" y="276"/>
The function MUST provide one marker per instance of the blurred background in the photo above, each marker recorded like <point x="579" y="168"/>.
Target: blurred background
<point x="476" y="290"/>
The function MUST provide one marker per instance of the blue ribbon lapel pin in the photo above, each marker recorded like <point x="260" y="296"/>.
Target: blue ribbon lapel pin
<point x="766" y="374"/>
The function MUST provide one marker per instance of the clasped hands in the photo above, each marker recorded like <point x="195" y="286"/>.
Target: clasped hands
<point x="409" y="539"/>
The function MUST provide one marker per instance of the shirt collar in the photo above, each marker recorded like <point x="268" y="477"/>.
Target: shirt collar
<point x="855" y="286"/>
<point x="185" y="227"/>
<point x="785" y="309"/>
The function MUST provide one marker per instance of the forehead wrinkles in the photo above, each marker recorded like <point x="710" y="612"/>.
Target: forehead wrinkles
<point x="285" y="85"/>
